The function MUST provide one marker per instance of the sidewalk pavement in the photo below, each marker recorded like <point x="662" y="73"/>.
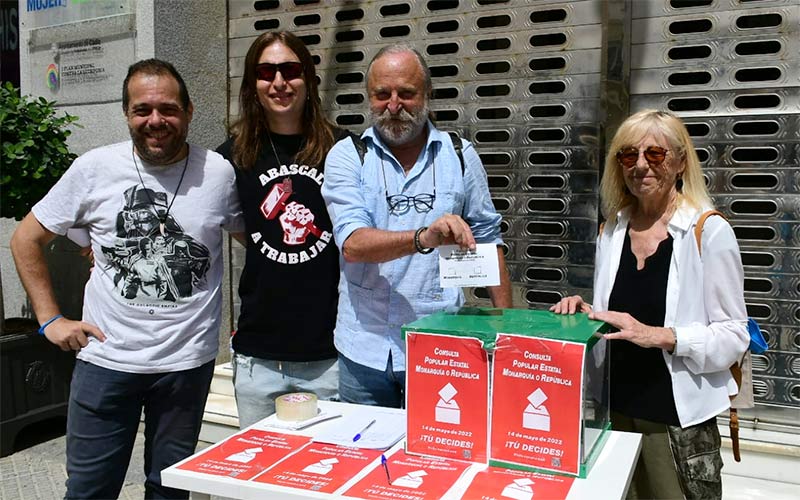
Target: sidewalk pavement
<point x="39" y="472"/>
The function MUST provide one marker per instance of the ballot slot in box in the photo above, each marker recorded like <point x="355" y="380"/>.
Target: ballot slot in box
<point x="508" y="387"/>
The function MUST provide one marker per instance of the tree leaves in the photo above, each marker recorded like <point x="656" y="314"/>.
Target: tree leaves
<point x="34" y="147"/>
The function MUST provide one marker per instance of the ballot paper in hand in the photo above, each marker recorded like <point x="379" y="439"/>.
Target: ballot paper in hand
<point x="460" y="268"/>
<point x="377" y="428"/>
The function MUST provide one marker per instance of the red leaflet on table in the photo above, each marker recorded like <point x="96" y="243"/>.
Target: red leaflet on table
<point x="496" y="483"/>
<point x="245" y="455"/>
<point x="412" y="478"/>
<point x="319" y="467"/>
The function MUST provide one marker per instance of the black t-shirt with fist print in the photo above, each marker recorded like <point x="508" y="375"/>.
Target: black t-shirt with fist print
<point x="288" y="287"/>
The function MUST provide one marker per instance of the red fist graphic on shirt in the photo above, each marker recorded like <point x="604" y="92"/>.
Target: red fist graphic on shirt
<point x="297" y="221"/>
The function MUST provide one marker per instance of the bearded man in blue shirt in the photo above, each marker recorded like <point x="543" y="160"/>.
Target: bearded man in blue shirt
<point x="391" y="208"/>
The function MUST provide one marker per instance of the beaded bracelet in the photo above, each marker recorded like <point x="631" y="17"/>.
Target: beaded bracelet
<point x="418" y="245"/>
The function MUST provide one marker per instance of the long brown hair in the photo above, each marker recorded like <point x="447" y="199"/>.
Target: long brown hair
<point x="251" y="126"/>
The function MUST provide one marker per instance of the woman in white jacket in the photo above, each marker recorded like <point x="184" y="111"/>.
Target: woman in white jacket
<point x="681" y="319"/>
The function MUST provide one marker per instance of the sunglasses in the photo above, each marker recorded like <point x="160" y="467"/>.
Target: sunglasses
<point x="289" y="70"/>
<point x="655" y="156"/>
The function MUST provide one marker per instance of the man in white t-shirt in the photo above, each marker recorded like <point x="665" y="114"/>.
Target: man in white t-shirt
<point x="154" y="208"/>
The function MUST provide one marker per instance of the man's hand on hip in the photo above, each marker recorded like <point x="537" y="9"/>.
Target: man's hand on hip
<point x="72" y="335"/>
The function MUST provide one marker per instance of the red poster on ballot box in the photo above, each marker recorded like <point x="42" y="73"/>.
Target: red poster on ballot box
<point x="245" y="455"/>
<point x="319" y="467"/>
<point x="496" y="483"/>
<point x="536" y="402"/>
<point x="447" y="391"/>
<point x="408" y="477"/>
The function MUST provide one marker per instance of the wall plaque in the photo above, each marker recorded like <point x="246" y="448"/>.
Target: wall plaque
<point x="83" y="62"/>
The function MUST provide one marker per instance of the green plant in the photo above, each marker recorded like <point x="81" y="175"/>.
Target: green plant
<point x="35" y="153"/>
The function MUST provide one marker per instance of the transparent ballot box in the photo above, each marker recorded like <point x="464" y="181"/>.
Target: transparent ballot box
<point x="509" y="387"/>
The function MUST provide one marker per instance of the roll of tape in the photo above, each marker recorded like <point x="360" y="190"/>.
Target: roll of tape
<point x="296" y="406"/>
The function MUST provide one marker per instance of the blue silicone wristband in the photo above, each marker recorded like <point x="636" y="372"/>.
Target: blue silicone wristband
<point x="46" y="323"/>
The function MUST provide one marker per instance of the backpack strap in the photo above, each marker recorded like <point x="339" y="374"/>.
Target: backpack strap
<point x="457" y="146"/>
<point x="735" y="369"/>
<point x="361" y="149"/>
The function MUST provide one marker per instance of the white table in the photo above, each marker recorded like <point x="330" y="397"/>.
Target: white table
<point x="608" y="478"/>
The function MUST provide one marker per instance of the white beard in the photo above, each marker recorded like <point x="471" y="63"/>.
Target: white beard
<point x="396" y="130"/>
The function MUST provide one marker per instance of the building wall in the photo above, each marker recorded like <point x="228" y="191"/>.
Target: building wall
<point x="539" y="85"/>
<point x="732" y="73"/>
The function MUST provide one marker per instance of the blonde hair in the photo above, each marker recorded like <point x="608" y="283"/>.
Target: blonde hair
<point x="614" y="194"/>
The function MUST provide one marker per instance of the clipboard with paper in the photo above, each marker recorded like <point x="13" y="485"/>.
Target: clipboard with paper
<point x="369" y="427"/>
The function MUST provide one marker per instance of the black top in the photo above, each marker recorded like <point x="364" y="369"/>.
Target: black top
<point x="641" y="386"/>
<point x="289" y="283"/>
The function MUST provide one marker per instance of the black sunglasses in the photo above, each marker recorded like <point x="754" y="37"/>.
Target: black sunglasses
<point x="289" y="70"/>
<point x="655" y="156"/>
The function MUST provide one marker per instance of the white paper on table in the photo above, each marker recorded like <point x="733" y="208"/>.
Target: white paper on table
<point x="388" y="429"/>
<point x="460" y="268"/>
<point x="275" y="422"/>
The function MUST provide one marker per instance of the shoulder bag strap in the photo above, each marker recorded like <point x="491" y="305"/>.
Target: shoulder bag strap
<point x="736" y="370"/>
<point x="698" y="229"/>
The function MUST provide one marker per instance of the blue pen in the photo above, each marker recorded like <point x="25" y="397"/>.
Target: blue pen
<point x="358" y="436"/>
<point x="386" y="468"/>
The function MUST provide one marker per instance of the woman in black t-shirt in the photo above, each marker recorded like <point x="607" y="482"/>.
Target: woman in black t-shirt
<point x="288" y="289"/>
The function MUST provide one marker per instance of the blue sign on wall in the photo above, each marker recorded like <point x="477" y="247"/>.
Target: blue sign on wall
<point x="45" y="4"/>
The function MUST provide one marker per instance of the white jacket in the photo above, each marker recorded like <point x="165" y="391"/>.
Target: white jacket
<point x="705" y="304"/>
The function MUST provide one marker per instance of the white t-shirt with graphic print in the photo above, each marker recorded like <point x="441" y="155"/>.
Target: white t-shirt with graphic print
<point x="155" y="291"/>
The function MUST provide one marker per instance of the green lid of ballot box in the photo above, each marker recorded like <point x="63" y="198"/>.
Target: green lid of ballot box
<point x="510" y="387"/>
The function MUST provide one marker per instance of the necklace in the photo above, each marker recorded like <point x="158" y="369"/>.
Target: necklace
<point x="162" y="218"/>
<point x="274" y="151"/>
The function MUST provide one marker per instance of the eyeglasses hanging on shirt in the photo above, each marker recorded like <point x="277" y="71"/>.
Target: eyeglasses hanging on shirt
<point x="401" y="203"/>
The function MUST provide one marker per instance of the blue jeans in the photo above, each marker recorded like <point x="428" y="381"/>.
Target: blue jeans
<point x="103" y="418"/>
<point x="257" y="382"/>
<point x="363" y="385"/>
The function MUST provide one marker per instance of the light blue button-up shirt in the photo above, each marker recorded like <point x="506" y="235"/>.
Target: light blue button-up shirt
<point x="375" y="300"/>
